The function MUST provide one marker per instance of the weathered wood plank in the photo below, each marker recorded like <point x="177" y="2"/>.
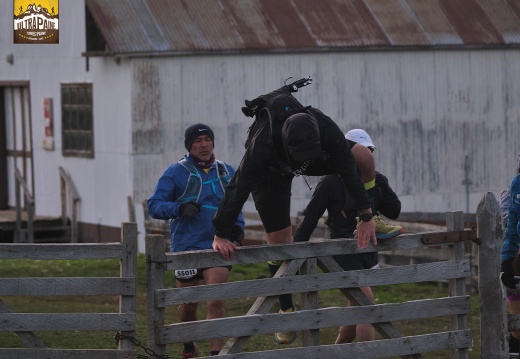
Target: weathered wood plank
<point x="309" y="300"/>
<point x="28" y="338"/>
<point x="314" y="282"/>
<point x="67" y="354"/>
<point x="128" y="268"/>
<point x="262" y="305"/>
<point x="457" y="286"/>
<point x="155" y="258"/>
<point x="24" y="322"/>
<point x="420" y="255"/>
<point x="458" y="235"/>
<point x="264" y="253"/>
<point x="66" y="286"/>
<point x="312" y="319"/>
<point x="493" y="310"/>
<point x="357" y="297"/>
<point x="60" y="251"/>
<point x="385" y="348"/>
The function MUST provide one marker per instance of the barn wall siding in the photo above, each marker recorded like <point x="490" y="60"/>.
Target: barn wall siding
<point x="444" y="120"/>
<point x="438" y="118"/>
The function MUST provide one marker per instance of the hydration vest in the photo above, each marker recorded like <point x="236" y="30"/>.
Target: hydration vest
<point x="505" y="200"/>
<point x="194" y="185"/>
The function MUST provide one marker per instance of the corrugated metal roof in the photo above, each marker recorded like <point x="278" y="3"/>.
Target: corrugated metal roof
<point x="135" y="27"/>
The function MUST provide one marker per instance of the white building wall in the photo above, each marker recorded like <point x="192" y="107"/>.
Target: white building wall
<point x="426" y="111"/>
<point x="105" y="181"/>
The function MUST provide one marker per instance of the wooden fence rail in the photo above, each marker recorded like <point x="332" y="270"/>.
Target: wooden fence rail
<point x="255" y="235"/>
<point x="124" y="286"/>
<point x="298" y="274"/>
<point x="303" y="259"/>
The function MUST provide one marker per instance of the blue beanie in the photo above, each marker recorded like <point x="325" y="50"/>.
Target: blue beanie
<point x="195" y="131"/>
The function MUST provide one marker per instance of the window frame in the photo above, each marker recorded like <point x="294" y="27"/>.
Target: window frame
<point x="77" y="120"/>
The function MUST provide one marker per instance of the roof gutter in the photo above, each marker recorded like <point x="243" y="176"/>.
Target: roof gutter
<point x="172" y="53"/>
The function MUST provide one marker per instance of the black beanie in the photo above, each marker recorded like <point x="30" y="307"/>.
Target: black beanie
<point x="195" y="131"/>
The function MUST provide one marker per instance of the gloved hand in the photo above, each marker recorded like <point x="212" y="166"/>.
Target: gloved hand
<point x="508" y="275"/>
<point x="190" y="209"/>
<point x="237" y="235"/>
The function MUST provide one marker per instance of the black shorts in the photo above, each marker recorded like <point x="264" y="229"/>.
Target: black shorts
<point x="189" y="275"/>
<point x="357" y="261"/>
<point x="273" y="202"/>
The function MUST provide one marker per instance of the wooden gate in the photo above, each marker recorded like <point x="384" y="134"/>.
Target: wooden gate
<point x="25" y="324"/>
<point x="303" y="259"/>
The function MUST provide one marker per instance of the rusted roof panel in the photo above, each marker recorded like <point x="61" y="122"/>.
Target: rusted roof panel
<point x="471" y="22"/>
<point x="192" y="26"/>
<point x="436" y="26"/>
<point x="504" y="15"/>
<point x="399" y="22"/>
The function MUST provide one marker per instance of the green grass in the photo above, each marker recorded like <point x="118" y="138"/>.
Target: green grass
<point x="109" y="304"/>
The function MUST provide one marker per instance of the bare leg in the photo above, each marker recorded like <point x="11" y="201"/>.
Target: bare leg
<point x="216" y="308"/>
<point x="347" y="334"/>
<point x="285" y="300"/>
<point x="187" y="312"/>
<point x="281" y="236"/>
<point x="363" y="332"/>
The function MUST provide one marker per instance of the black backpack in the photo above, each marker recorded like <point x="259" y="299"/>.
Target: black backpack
<point x="275" y="109"/>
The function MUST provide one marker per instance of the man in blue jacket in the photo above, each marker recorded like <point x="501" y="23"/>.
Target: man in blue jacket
<point x="510" y="206"/>
<point x="188" y="194"/>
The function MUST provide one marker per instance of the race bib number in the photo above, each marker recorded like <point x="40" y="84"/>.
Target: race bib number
<point x="185" y="273"/>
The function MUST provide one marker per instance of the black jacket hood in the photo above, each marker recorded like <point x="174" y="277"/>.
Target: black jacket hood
<point x="301" y="137"/>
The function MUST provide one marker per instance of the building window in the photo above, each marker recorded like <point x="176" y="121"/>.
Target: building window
<point x="77" y="122"/>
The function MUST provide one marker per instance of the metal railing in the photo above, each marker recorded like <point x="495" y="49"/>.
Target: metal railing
<point x="69" y="201"/>
<point x="21" y="234"/>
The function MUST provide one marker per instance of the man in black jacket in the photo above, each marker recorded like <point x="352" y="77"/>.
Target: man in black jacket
<point x="330" y="195"/>
<point x="287" y="140"/>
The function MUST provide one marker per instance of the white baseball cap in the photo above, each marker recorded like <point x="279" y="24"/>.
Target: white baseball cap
<point x="360" y="136"/>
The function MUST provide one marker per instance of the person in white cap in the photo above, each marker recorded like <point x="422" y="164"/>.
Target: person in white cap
<point x="360" y="138"/>
<point x="330" y="195"/>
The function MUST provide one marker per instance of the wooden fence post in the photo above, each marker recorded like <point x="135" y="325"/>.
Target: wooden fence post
<point x="493" y="315"/>
<point x="309" y="300"/>
<point x="457" y="286"/>
<point x="128" y="269"/>
<point x="155" y="268"/>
